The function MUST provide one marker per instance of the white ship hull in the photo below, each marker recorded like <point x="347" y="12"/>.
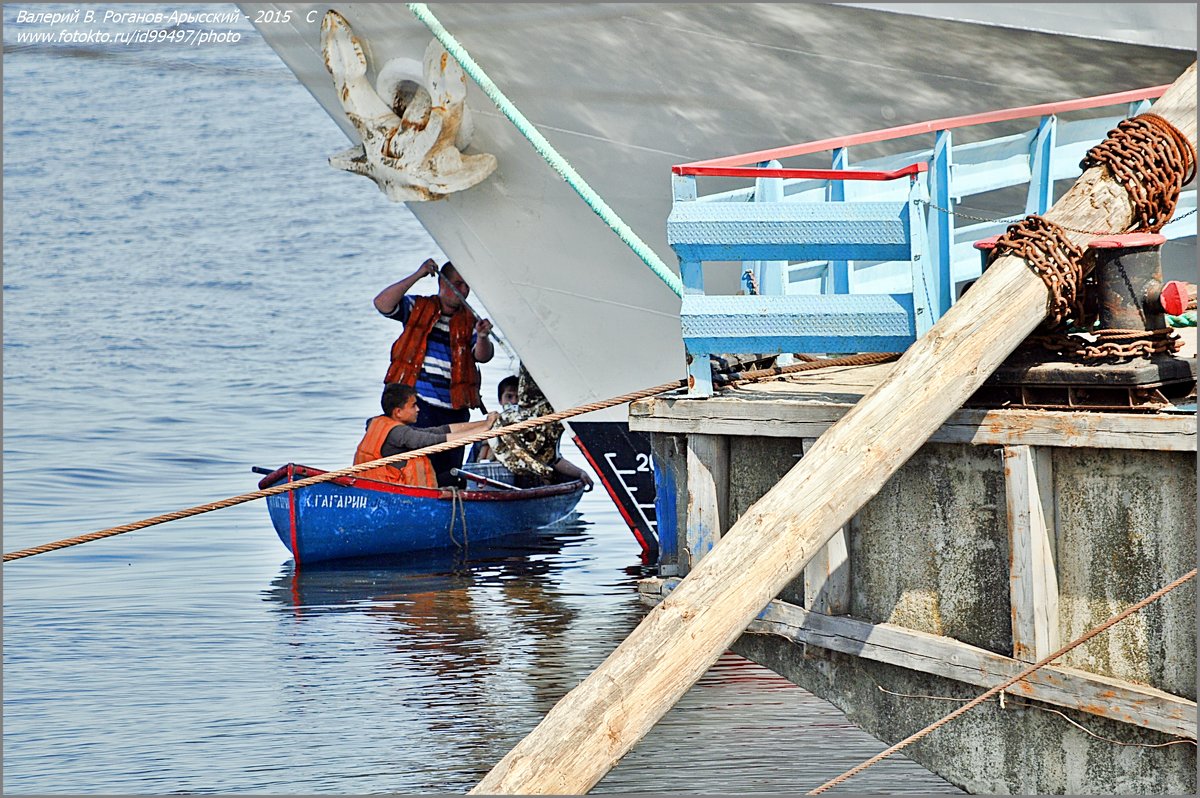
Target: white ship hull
<point x="624" y="91"/>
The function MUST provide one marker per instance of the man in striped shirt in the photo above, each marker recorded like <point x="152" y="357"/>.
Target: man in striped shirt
<point x="438" y="350"/>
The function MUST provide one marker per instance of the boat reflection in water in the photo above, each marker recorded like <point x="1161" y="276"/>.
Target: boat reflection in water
<point x="477" y="642"/>
<point x="456" y="655"/>
<point x="349" y="583"/>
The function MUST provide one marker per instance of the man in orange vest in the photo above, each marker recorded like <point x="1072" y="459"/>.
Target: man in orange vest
<point x="393" y="433"/>
<point x="438" y="350"/>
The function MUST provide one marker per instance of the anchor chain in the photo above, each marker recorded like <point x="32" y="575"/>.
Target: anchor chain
<point x="1110" y="344"/>
<point x="1153" y="160"/>
<point x="1053" y="257"/>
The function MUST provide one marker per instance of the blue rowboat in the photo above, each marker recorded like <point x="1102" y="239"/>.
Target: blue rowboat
<point x="358" y="517"/>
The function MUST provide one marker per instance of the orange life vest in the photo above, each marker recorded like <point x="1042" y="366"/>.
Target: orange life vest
<point x="417" y="471"/>
<point x="408" y="351"/>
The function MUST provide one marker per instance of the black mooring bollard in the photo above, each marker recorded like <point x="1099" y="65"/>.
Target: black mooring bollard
<point x="1129" y="280"/>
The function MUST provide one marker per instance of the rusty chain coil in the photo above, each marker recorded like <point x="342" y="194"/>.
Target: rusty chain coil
<point x="1110" y="345"/>
<point x="1053" y="257"/>
<point x="1153" y="160"/>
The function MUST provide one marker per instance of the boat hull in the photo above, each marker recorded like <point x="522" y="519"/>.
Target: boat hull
<point x="355" y="517"/>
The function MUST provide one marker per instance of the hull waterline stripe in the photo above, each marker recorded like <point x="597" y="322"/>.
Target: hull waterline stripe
<point x="547" y="151"/>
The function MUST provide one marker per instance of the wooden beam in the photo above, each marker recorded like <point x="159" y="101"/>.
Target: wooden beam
<point x="944" y="656"/>
<point x="786" y="416"/>
<point x="827" y="575"/>
<point x="1033" y="579"/>
<point x="708" y="495"/>
<point x="598" y="722"/>
<point x="827" y="578"/>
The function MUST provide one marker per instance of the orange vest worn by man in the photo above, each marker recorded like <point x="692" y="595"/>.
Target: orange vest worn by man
<point x="392" y="433"/>
<point x="408" y="351"/>
<point x="417" y="471"/>
<point x="438" y="351"/>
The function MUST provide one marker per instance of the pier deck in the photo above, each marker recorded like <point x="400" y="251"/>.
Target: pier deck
<point x="1010" y="533"/>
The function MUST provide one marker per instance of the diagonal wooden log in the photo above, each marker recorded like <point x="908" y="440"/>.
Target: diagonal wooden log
<point x="586" y="733"/>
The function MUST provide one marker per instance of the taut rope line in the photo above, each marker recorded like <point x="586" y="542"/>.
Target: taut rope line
<point x="1155" y="596"/>
<point x="440" y="447"/>
<point x="343" y="472"/>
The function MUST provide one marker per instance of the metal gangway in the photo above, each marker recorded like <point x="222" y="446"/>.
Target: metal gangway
<point x="867" y="257"/>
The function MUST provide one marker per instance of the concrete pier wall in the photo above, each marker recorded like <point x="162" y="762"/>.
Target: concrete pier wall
<point x="932" y="553"/>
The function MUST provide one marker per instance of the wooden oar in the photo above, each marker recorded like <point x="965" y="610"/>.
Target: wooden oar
<point x="597" y="723"/>
<point x="495" y="483"/>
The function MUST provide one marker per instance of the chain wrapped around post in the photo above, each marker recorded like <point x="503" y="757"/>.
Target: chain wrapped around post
<point x="1153" y="160"/>
<point x="1053" y="257"/>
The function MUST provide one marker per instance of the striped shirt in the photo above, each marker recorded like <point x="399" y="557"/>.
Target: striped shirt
<point x="433" y="382"/>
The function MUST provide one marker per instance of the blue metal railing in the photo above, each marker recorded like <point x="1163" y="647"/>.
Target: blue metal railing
<point x="880" y="238"/>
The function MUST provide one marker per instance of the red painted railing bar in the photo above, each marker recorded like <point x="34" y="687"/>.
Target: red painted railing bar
<point x="818" y="174"/>
<point x="1045" y="109"/>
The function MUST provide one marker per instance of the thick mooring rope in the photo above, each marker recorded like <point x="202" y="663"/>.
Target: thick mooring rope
<point x="343" y="472"/>
<point x="1155" y="596"/>
<point x="546" y="150"/>
<point x="521" y="426"/>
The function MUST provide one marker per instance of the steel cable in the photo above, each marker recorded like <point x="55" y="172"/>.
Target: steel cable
<point x="1155" y="596"/>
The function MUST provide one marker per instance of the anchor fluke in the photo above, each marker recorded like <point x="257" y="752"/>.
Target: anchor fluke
<point x="411" y="141"/>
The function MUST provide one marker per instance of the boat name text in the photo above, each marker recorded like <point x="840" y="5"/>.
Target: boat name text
<point x="336" y="502"/>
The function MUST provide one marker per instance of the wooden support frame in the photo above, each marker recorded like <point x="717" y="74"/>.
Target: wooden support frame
<point x="943" y="656"/>
<point x="591" y="728"/>
<point x="808" y="417"/>
<point x="1033" y="579"/>
<point x="708" y="496"/>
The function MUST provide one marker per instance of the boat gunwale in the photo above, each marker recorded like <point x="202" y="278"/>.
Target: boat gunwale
<point x="292" y="471"/>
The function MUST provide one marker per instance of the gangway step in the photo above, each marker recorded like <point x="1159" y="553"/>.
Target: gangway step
<point x="774" y="231"/>
<point x="797" y="323"/>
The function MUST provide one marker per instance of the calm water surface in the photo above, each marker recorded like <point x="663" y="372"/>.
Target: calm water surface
<point x="187" y="293"/>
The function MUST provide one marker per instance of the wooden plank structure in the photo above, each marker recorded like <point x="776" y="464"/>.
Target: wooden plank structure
<point x="594" y="725"/>
<point x="943" y="656"/>
<point x="951" y="581"/>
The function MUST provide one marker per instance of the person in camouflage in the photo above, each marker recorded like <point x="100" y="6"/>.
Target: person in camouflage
<point x="533" y="456"/>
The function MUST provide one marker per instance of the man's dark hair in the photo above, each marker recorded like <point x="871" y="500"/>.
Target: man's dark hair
<point x="395" y="394"/>
<point x="505" y="384"/>
<point x="448" y="267"/>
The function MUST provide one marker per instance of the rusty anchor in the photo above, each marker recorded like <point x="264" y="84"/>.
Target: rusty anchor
<point x="411" y="147"/>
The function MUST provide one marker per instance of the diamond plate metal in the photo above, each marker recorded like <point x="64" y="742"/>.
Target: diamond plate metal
<point x="790" y="231"/>
<point x="827" y="323"/>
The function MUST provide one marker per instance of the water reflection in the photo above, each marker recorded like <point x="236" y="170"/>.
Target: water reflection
<point x="340" y="585"/>
<point x="464" y="652"/>
<point x="476" y="643"/>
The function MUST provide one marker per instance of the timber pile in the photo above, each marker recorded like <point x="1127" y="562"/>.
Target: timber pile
<point x="598" y="722"/>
